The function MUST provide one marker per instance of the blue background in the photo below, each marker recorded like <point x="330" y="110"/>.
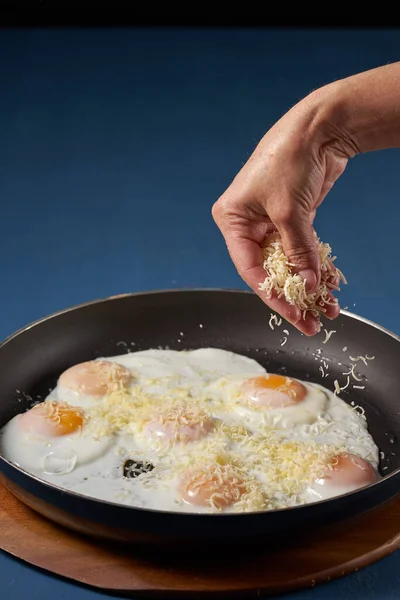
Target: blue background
<point x="114" y="144"/>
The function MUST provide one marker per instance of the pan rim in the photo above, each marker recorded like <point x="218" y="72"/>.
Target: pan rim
<point x="74" y="307"/>
<point x="177" y="514"/>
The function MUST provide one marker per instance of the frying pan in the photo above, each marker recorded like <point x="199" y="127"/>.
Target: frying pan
<point x="32" y="359"/>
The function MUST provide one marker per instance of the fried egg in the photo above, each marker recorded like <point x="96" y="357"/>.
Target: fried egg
<point x="212" y="485"/>
<point x="344" y="473"/>
<point x="179" y="424"/>
<point x="271" y="399"/>
<point x="203" y="430"/>
<point x="85" y="383"/>
<point x="51" y="438"/>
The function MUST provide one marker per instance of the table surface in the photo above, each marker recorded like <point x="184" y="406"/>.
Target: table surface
<point x="114" y="146"/>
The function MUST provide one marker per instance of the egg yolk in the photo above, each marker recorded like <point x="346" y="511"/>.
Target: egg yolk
<point x="95" y="377"/>
<point x="273" y="391"/>
<point x="52" y="419"/>
<point x="349" y="470"/>
<point x="180" y="425"/>
<point x="216" y="486"/>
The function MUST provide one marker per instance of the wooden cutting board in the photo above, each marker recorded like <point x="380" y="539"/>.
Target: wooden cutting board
<point x="36" y="540"/>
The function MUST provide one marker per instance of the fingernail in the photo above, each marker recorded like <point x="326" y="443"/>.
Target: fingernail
<point x="294" y="315"/>
<point x="310" y="278"/>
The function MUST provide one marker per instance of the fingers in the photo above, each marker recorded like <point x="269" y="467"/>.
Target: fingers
<point x="332" y="310"/>
<point x="330" y="306"/>
<point x="310" y="325"/>
<point x="248" y="259"/>
<point x="243" y="238"/>
<point x="300" y="245"/>
<point x="334" y="169"/>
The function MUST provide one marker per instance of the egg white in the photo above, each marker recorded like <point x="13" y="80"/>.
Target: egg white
<point x="37" y="453"/>
<point x="227" y="392"/>
<point x="208" y="376"/>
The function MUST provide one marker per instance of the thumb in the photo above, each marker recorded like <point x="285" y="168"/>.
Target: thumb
<point x="300" y="246"/>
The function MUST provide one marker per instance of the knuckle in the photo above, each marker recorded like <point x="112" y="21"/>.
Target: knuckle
<point x="221" y="211"/>
<point x="300" y="252"/>
<point x="216" y="211"/>
<point x="302" y="257"/>
<point x="286" y="213"/>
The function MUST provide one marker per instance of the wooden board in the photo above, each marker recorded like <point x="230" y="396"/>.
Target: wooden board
<point x="36" y="540"/>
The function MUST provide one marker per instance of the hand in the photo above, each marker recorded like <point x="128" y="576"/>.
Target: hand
<point x="279" y="189"/>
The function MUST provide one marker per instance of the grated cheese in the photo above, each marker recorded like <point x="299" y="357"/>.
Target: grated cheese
<point x="360" y="410"/>
<point x="289" y="465"/>
<point x="352" y="373"/>
<point x="328" y="335"/>
<point x="284" y="283"/>
<point x="355" y="359"/>
<point x="274" y="320"/>
<point x="338" y="388"/>
<point x="272" y="470"/>
<point x="347" y="384"/>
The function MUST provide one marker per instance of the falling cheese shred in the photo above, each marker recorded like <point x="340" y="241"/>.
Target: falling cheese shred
<point x="352" y="373"/>
<point x="274" y="320"/>
<point x="328" y="335"/>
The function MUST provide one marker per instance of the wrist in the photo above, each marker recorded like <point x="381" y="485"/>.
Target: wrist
<point x="331" y="125"/>
<point x="360" y="113"/>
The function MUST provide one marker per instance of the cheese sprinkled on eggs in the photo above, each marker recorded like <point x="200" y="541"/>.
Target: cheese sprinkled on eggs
<point x="273" y="391"/>
<point x="195" y="431"/>
<point x="52" y="419"/>
<point x="87" y="382"/>
<point x="213" y="485"/>
<point x="180" y="424"/>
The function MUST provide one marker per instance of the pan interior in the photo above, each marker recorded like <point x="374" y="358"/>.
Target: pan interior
<point x="32" y="360"/>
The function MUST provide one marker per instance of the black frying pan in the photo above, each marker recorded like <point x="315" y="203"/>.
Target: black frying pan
<point x="32" y="359"/>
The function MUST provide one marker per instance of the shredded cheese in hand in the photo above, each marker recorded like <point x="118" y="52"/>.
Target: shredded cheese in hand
<point x="284" y="283"/>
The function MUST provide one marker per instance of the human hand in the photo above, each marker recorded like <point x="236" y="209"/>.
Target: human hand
<point x="278" y="190"/>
